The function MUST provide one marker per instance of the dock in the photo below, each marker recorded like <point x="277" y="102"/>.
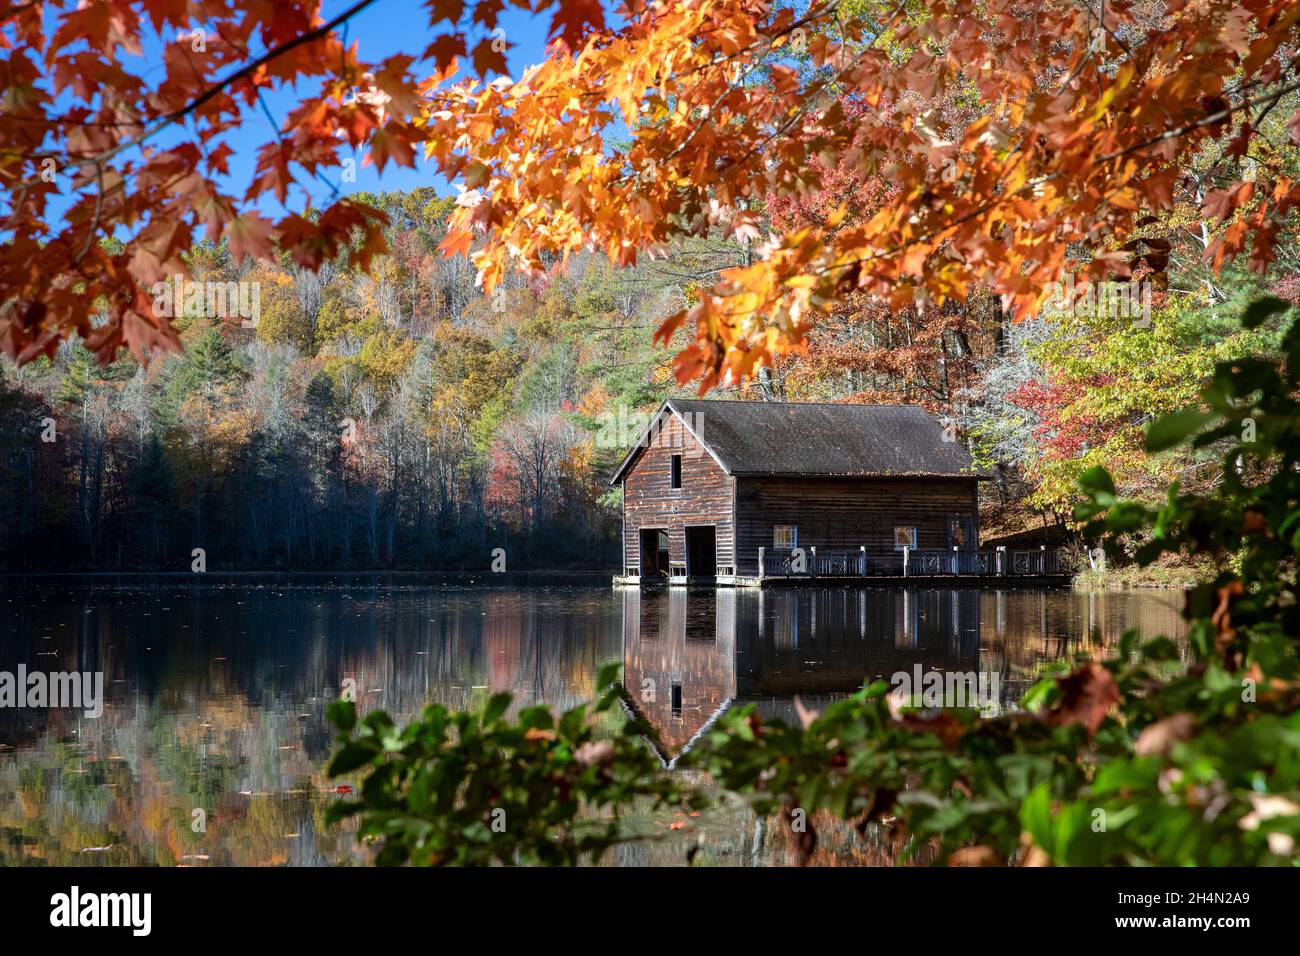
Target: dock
<point x="792" y="567"/>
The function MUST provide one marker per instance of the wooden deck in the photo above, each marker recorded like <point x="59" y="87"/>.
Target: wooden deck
<point x="941" y="568"/>
<point x="882" y="580"/>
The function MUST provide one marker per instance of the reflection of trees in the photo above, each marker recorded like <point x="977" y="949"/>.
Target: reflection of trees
<point x="131" y="781"/>
<point x="216" y="699"/>
<point x="1029" y="630"/>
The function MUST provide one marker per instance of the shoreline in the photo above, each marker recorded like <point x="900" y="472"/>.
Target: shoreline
<point x="1088" y="581"/>
<point x="472" y="577"/>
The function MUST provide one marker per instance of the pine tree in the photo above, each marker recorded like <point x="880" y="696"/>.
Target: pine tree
<point x="152" y="505"/>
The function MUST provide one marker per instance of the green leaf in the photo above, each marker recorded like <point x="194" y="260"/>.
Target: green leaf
<point x="1258" y="312"/>
<point x="608" y="674"/>
<point x="342" y="714"/>
<point x="1160" y="649"/>
<point x="496" y="706"/>
<point x="1175" y="428"/>
<point x="378" y="723"/>
<point x="1036" y="815"/>
<point x="352" y="756"/>
<point x="1097" y="479"/>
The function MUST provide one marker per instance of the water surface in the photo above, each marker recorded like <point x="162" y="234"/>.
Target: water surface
<point x="212" y="742"/>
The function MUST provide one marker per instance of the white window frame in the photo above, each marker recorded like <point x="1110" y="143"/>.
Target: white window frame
<point x="900" y="545"/>
<point x="777" y="536"/>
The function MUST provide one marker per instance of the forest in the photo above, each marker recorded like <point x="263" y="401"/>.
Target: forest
<point x="402" y="419"/>
<point x="426" y="379"/>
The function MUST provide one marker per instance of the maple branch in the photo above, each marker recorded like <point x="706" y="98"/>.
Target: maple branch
<point x="818" y="93"/>
<point x="763" y="44"/>
<point x="706" y="115"/>
<point x="94" y="224"/>
<point x="1212" y="119"/>
<point x="249" y="68"/>
<point x="812" y="16"/>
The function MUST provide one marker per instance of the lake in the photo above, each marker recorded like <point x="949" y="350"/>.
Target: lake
<point x="212" y="740"/>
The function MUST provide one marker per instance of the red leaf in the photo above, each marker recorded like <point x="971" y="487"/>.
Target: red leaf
<point x="449" y="10"/>
<point x="487" y="11"/>
<point x="1086" y="695"/>
<point x="487" y="59"/>
<point x="572" y="19"/>
<point x="445" y="49"/>
<point x="249" y="234"/>
<point x="390" y="143"/>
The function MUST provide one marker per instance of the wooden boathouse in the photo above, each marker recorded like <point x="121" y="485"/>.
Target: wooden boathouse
<point x="756" y="493"/>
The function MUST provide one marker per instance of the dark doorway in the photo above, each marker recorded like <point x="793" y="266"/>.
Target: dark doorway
<point x="654" y="552"/>
<point x="963" y="532"/>
<point x="702" y="552"/>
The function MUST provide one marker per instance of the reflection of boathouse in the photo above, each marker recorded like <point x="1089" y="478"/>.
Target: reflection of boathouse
<point x="689" y="654"/>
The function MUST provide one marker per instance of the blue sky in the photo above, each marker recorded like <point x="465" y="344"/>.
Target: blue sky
<point x="383" y="29"/>
<point x="402" y="26"/>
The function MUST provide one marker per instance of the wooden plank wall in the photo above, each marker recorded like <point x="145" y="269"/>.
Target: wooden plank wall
<point x="843" y="513"/>
<point x="649" y="501"/>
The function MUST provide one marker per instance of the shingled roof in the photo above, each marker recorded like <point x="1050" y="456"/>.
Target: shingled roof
<point x="814" y="439"/>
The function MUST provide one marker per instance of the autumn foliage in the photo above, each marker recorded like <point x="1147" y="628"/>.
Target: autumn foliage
<point x="144" y="152"/>
<point x="1074" y="140"/>
<point x="1012" y="135"/>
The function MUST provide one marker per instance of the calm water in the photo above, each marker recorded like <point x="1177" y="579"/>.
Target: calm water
<point x="215" y="695"/>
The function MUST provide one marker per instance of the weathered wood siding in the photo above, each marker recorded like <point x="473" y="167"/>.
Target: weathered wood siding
<point x="844" y="513"/>
<point x="650" y="501"/>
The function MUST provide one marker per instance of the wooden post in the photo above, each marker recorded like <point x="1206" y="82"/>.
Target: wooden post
<point x="761" y="561"/>
<point x="905" y="550"/>
<point x="1042" y="560"/>
<point x="1002" y="560"/>
<point x="862" y="550"/>
<point x="956" y="567"/>
<point x="812" y="565"/>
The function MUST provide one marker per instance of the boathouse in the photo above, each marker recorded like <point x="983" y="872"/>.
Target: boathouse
<point x="731" y="492"/>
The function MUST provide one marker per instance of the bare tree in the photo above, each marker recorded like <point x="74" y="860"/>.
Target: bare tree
<point x="536" y="445"/>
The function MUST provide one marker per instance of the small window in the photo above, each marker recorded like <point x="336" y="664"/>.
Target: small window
<point x="785" y="536"/>
<point x="677" y="471"/>
<point x="677" y="700"/>
<point x="904" y="537"/>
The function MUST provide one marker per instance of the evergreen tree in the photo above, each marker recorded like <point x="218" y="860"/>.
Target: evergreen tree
<point x="151" y="511"/>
